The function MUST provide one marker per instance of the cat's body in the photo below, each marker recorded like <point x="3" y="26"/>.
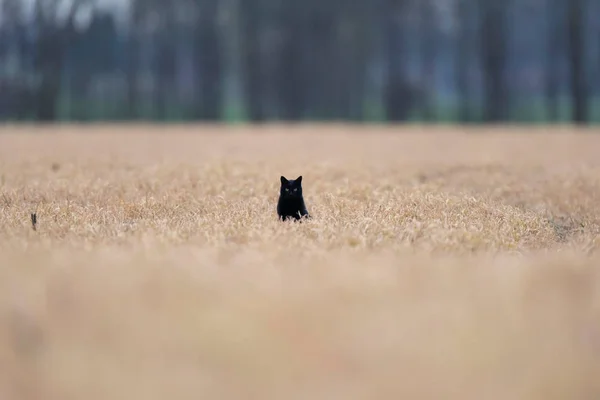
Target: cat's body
<point x="291" y="201"/>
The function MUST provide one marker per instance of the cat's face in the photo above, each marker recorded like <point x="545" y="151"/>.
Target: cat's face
<point x="291" y="188"/>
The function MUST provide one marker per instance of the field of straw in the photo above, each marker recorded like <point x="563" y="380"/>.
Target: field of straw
<point x="440" y="263"/>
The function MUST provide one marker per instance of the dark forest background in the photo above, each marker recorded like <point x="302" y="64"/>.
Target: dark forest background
<point x="262" y="60"/>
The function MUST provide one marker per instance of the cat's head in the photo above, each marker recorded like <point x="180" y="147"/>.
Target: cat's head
<point x="291" y="188"/>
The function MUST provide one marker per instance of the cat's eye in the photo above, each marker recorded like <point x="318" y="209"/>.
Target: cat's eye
<point x="287" y="189"/>
<point x="295" y="189"/>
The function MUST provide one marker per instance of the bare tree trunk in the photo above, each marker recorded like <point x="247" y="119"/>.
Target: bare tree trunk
<point x="552" y="78"/>
<point x="50" y="49"/>
<point x="292" y="66"/>
<point x="494" y="57"/>
<point x="356" y="44"/>
<point x="463" y="58"/>
<point x="165" y="70"/>
<point x="132" y="77"/>
<point x="398" y="96"/>
<point x="576" y="60"/>
<point x="318" y="55"/>
<point x="50" y="52"/>
<point x="254" y="84"/>
<point x="428" y="58"/>
<point x="16" y="98"/>
<point x="209" y="62"/>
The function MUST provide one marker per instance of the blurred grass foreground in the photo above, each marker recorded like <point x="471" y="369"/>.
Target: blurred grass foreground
<point x="436" y="265"/>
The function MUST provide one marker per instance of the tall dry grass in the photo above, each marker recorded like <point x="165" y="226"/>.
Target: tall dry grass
<point x="439" y="263"/>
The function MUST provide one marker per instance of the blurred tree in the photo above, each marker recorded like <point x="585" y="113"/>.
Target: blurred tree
<point x="255" y="26"/>
<point x="54" y="35"/>
<point x="577" y="47"/>
<point x="165" y="58"/>
<point x="463" y="57"/>
<point x="353" y="51"/>
<point x="494" y="36"/>
<point x="209" y="64"/>
<point x="11" y="28"/>
<point x="14" y="85"/>
<point x="296" y="60"/>
<point x="152" y="28"/>
<point x="91" y="52"/>
<point x="555" y="34"/>
<point x="321" y="58"/>
<point x="399" y="96"/>
<point x="138" y="13"/>
<point x="266" y="31"/>
<point x="427" y="36"/>
<point x="293" y="65"/>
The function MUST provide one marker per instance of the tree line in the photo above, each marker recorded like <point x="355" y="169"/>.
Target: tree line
<point x="262" y="60"/>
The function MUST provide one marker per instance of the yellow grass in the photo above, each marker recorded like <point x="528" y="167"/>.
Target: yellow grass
<point x="440" y="263"/>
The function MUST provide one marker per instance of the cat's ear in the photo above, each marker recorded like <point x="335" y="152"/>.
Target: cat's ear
<point x="283" y="180"/>
<point x="299" y="180"/>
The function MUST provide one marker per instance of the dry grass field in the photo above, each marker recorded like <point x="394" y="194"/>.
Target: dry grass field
<point x="440" y="263"/>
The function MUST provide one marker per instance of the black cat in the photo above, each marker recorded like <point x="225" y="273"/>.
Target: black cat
<point x="291" y="202"/>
